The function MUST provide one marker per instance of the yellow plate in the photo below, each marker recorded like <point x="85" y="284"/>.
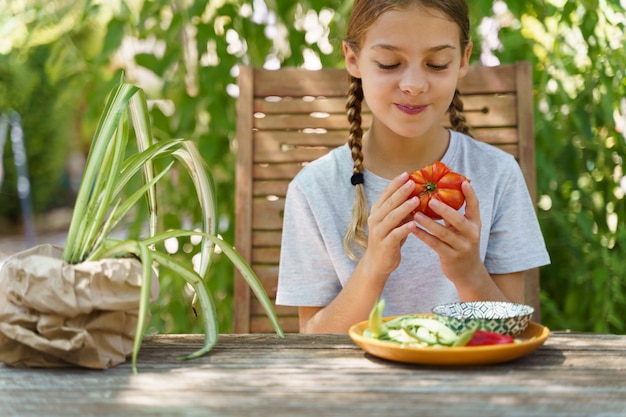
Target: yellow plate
<point x="533" y="337"/>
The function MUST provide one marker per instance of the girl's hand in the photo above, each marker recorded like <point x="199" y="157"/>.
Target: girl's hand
<point x="389" y="224"/>
<point x="457" y="240"/>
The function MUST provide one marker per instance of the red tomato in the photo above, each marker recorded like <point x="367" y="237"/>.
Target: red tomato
<point x="439" y="182"/>
<point x="483" y="337"/>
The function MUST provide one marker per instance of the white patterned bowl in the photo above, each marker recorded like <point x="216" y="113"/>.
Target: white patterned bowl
<point x="495" y="316"/>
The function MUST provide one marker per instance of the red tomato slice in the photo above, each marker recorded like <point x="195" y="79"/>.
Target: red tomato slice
<point x="483" y="338"/>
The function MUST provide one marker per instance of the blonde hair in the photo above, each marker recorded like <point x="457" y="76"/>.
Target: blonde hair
<point x="355" y="235"/>
<point x="364" y="14"/>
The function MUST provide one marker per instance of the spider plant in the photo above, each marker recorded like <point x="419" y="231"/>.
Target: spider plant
<point x="100" y="205"/>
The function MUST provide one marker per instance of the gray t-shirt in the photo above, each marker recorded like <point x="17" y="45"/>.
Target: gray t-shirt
<point x="318" y="208"/>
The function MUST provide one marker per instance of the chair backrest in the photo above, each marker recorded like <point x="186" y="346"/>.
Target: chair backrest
<point x="288" y="117"/>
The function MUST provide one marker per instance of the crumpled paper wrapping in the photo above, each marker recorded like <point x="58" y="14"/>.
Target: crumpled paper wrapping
<point x="54" y="314"/>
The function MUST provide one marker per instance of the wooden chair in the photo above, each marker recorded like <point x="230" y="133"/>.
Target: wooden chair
<point x="290" y="116"/>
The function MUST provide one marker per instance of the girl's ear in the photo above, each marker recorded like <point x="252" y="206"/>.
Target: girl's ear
<point x="352" y="61"/>
<point x="465" y="60"/>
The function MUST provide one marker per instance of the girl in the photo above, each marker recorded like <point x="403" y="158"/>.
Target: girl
<point x="340" y="253"/>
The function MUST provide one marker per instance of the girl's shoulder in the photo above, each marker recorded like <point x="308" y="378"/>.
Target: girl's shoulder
<point x="481" y="162"/>
<point x="464" y="149"/>
<point x="470" y="144"/>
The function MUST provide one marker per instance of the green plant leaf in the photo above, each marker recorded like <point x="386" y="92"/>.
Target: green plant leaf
<point x="101" y="144"/>
<point x="145" y="254"/>
<point x="102" y="191"/>
<point x="118" y="212"/>
<point x="143" y="131"/>
<point x="191" y="158"/>
<point x="246" y="271"/>
<point x="100" y="208"/>
<point x="134" y="163"/>
<point x="208" y="313"/>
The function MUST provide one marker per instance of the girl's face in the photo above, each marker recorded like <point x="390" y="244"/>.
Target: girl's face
<point x="409" y="62"/>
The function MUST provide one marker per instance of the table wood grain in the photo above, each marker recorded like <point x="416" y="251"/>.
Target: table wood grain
<point x="325" y="375"/>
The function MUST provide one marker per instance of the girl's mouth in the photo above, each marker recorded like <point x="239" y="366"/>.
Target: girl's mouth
<point x="411" y="110"/>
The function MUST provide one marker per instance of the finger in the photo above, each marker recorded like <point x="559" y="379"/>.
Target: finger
<point x="401" y="196"/>
<point x="384" y="221"/>
<point x="402" y="213"/>
<point x="445" y="211"/>
<point x="401" y="233"/>
<point x="453" y="218"/>
<point x="434" y="229"/>
<point x="429" y="232"/>
<point x="381" y="226"/>
<point x="469" y="223"/>
<point x="472" y="209"/>
<point x="398" y="199"/>
<point x="391" y="188"/>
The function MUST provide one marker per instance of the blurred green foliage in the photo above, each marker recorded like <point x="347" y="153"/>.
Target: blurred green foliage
<point x="22" y="89"/>
<point x="58" y="61"/>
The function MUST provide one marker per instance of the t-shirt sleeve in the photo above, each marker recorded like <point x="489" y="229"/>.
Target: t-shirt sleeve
<point x="306" y="274"/>
<point x="515" y="239"/>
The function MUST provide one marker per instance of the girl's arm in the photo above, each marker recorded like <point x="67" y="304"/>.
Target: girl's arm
<point x="457" y="242"/>
<point x="511" y="285"/>
<point x="351" y="305"/>
<point x="389" y="224"/>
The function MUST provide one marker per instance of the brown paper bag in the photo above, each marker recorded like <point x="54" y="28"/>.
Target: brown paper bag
<point x="54" y="314"/>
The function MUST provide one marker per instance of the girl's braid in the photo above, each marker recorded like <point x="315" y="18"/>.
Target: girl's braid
<point x="457" y="118"/>
<point x="355" y="235"/>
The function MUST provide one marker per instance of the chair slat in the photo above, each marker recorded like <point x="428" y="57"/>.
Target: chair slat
<point x="267" y="238"/>
<point x="267" y="214"/>
<point x="266" y="256"/>
<point x="261" y="324"/>
<point x="285" y="147"/>
<point x="257" y="309"/>
<point x="480" y="103"/>
<point x="287" y="138"/>
<point x="293" y="82"/>
<point x="276" y="172"/>
<point x="266" y="278"/>
<point x="266" y="273"/>
<point x="302" y="153"/>
<point x="270" y="188"/>
<point x="495" y="111"/>
<point x="491" y="80"/>
<point x="290" y="105"/>
<point x="303" y="121"/>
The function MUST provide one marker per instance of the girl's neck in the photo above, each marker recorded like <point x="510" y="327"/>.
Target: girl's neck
<point x="387" y="155"/>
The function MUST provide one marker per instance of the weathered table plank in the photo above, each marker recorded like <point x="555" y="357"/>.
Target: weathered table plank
<point x="325" y="375"/>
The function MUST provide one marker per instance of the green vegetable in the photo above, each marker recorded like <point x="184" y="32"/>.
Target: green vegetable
<point x="464" y="338"/>
<point x="419" y="330"/>
<point x="377" y="327"/>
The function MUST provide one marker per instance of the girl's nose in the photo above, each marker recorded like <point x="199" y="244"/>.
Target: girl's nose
<point x="413" y="82"/>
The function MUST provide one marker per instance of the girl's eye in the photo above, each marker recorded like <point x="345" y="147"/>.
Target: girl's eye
<point x="387" y="67"/>
<point x="438" y="67"/>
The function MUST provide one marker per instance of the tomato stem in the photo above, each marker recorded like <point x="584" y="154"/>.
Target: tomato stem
<point x="430" y="187"/>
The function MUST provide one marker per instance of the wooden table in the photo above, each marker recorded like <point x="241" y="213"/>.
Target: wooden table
<point x="325" y="375"/>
